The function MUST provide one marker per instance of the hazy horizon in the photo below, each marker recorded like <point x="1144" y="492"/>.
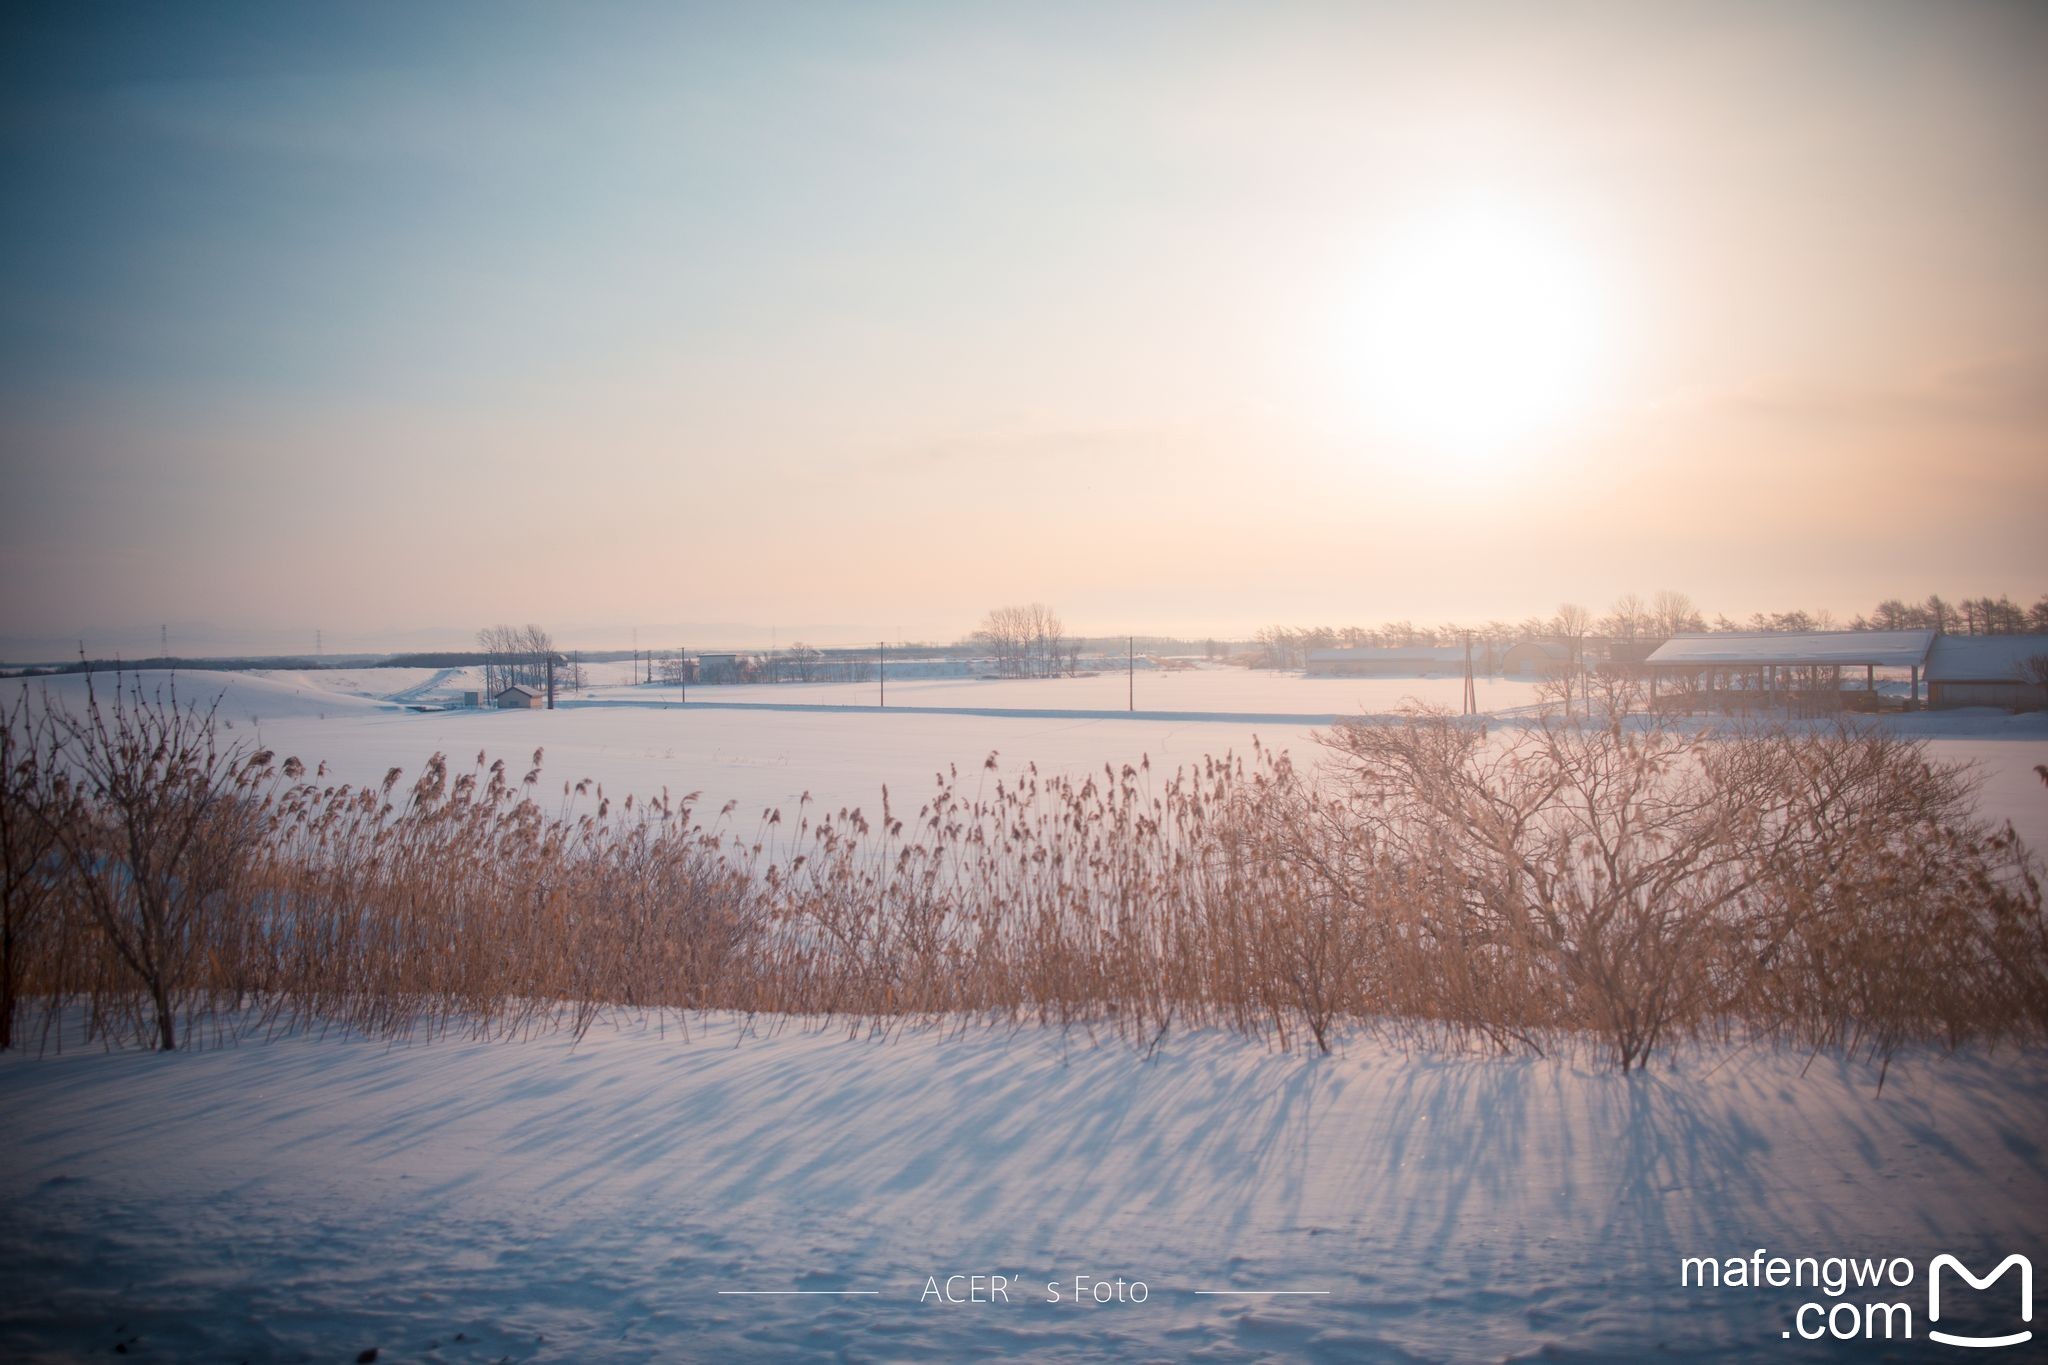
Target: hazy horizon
<point x="386" y="320"/>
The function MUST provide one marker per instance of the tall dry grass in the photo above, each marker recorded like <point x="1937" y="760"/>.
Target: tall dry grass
<point x="1626" y="883"/>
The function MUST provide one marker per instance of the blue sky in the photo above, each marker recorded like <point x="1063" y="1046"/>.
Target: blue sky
<point x="879" y="315"/>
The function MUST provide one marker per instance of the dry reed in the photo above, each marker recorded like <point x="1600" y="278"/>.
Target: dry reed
<point x="1626" y="883"/>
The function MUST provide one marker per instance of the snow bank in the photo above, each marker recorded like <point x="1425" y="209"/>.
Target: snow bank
<point x="245" y="699"/>
<point x="466" y="1201"/>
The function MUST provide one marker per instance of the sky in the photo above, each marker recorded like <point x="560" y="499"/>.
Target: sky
<point x="851" y="322"/>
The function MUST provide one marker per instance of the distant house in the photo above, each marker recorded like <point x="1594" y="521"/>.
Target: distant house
<point x="1631" y="654"/>
<point x="1985" y="670"/>
<point x="717" y="668"/>
<point x="1407" y="661"/>
<point x="520" y="697"/>
<point x="1536" y="659"/>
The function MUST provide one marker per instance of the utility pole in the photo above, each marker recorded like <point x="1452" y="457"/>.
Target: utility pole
<point x="1131" y="671"/>
<point x="683" y="673"/>
<point x="551" y="680"/>
<point x="882" y="671"/>
<point x="1471" y="692"/>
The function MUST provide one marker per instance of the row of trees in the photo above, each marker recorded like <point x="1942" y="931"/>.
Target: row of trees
<point x="800" y="663"/>
<point x="1636" y="619"/>
<point x="1970" y="616"/>
<point x="514" y="655"/>
<point x="1633" y="617"/>
<point x="1028" y="641"/>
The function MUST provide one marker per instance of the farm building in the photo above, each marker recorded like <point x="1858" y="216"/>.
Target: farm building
<point x="1796" y="669"/>
<point x="717" y="668"/>
<point x="1987" y="670"/>
<point x="1374" y="661"/>
<point x="520" y="697"/>
<point x="1536" y="659"/>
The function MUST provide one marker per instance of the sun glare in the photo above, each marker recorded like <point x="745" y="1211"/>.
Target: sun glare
<point x="1476" y="329"/>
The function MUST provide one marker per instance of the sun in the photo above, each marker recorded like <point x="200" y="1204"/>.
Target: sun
<point x="1476" y="328"/>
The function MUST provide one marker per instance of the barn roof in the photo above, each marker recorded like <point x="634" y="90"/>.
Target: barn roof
<point x="519" y="687"/>
<point x="1983" y="658"/>
<point x="1797" y="648"/>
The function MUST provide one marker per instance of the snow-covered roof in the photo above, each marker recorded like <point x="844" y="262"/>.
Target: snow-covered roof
<point x="1549" y="649"/>
<point x="1436" y="654"/>
<point x="519" y="687"/>
<point x="1983" y="658"/>
<point x="1885" y="648"/>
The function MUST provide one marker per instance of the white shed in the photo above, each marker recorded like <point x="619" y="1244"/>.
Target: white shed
<point x="1986" y="670"/>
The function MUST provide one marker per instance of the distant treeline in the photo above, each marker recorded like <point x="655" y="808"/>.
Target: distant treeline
<point x="229" y="665"/>
<point x="1632" y="619"/>
<point x="897" y="650"/>
<point x="1636" y="620"/>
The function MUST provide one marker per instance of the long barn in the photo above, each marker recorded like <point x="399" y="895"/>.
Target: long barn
<point x="1801" y="670"/>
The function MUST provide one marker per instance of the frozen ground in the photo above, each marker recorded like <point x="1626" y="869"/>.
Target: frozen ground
<point x="310" y="1198"/>
<point x="768" y="758"/>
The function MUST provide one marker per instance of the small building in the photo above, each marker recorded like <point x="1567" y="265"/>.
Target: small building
<point x="1630" y="655"/>
<point x="520" y="697"/>
<point x="1987" y="670"/>
<point x="472" y="700"/>
<point x="1406" y="661"/>
<point x="1536" y="659"/>
<point x="717" y="668"/>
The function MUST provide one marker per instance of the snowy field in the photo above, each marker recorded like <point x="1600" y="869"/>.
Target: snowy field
<point x="309" y="1198"/>
<point x="762" y="757"/>
<point x="1238" y="691"/>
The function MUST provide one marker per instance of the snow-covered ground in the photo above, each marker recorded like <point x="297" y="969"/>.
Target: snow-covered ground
<point x="1213" y="689"/>
<point x="310" y="1198"/>
<point x="638" y="740"/>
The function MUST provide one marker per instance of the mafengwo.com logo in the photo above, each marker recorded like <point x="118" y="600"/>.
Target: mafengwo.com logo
<point x="1864" y="1301"/>
<point x="1947" y="1262"/>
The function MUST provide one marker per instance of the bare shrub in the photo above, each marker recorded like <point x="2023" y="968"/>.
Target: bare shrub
<point x="155" y="821"/>
<point x="29" y="878"/>
<point x="1640" y="882"/>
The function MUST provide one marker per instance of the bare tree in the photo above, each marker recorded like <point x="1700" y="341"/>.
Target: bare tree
<point x="1570" y="625"/>
<point x="514" y="655"/>
<point x="2034" y="668"/>
<point x="1675" y="614"/>
<point x="1630" y="619"/>
<point x="1026" y="641"/>
<point x="803" y="663"/>
<point x="156" y="823"/>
